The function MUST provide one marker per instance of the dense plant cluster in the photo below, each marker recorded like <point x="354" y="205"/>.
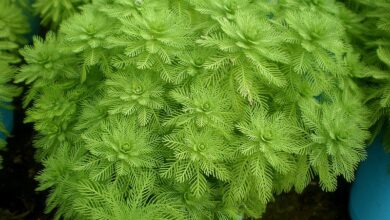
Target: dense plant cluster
<point x="13" y="26"/>
<point x="196" y="109"/>
<point x="375" y="36"/>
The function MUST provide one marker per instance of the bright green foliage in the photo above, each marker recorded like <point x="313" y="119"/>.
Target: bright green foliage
<point x="375" y="38"/>
<point x="46" y="62"/>
<point x="13" y="27"/>
<point x="267" y="146"/>
<point x="105" y="201"/>
<point x="53" y="12"/>
<point x="55" y="112"/>
<point x="135" y="92"/>
<point x="333" y="150"/>
<point x="197" y="154"/>
<point x="58" y="177"/>
<point x="87" y="34"/>
<point x="119" y="148"/>
<point x="196" y="109"/>
<point x="203" y="106"/>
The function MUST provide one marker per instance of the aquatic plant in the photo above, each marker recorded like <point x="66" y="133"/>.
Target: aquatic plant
<point x="13" y="27"/>
<point x="196" y="109"/>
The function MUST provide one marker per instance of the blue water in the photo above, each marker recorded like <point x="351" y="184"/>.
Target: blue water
<point x="370" y="193"/>
<point x="7" y="116"/>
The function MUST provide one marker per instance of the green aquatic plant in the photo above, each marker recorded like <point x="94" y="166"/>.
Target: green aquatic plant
<point x="374" y="42"/>
<point x="13" y="27"/>
<point x="194" y="109"/>
<point x="53" y="12"/>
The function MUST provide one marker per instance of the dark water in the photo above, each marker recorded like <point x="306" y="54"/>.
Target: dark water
<point x="18" y="198"/>
<point x="312" y="204"/>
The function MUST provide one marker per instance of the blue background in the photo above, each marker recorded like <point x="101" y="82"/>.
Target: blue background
<point x="370" y="193"/>
<point x="8" y="119"/>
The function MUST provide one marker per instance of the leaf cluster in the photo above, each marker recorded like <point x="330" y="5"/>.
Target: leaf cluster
<point x="195" y="109"/>
<point x="375" y="41"/>
<point x="13" y="27"/>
